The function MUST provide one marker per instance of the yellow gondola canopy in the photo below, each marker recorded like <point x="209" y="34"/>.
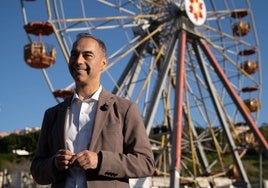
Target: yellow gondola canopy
<point x="63" y="93"/>
<point x="247" y="52"/>
<point x="39" y="28"/>
<point x="241" y="13"/>
<point x="39" y="55"/>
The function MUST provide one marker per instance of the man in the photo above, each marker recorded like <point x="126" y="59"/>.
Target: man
<point x="94" y="138"/>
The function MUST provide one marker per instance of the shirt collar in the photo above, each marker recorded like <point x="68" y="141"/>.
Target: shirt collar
<point x="95" y="96"/>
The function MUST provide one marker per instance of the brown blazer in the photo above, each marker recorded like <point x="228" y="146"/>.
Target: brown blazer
<point x="118" y="133"/>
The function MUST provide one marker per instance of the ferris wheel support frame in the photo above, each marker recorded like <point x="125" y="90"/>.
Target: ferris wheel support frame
<point x="177" y="129"/>
<point x="221" y="115"/>
<point x="149" y="116"/>
<point x="178" y="106"/>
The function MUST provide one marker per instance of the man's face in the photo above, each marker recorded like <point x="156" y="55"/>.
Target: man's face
<point x="87" y="61"/>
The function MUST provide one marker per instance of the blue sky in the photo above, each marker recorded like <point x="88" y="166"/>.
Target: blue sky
<point x="24" y="93"/>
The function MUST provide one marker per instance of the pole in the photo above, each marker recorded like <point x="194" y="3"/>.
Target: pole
<point x="178" y="119"/>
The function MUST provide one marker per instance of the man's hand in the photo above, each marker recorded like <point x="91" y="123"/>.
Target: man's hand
<point x="86" y="159"/>
<point x="63" y="159"/>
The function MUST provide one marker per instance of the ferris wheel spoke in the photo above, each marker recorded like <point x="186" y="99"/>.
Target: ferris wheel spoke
<point x="136" y="45"/>
<point x="120" y="8"/>
<point x="232" y="39"/>
<point x="149" y="76"/>
<point x="233" y="62"/>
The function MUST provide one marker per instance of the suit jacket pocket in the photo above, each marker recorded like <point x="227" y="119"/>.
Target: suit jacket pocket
<point x="112" y="138"/>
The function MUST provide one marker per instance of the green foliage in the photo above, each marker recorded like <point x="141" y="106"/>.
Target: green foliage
<point x="29" y="141"/>
<point x="251" y="163"/>
<point x="12" y="142"/>
<point x="264" y="130"/>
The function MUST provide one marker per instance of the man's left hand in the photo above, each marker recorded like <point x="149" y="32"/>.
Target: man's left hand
<point x="86" y="159"/>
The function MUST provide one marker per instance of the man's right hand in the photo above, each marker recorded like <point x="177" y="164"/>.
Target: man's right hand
<point x="63" y="159"/>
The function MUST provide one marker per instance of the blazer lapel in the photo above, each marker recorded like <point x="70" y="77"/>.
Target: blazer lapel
<point x="62" y="120"/>
<point x="105" y="103"/>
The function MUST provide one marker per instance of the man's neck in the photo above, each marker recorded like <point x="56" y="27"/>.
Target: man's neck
<point x="85" y="92"/>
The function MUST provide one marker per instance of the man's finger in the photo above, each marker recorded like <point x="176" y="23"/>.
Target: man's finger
<point x="73" y="159"/>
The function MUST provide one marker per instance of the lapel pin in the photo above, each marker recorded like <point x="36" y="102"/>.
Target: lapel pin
<point x="104" y="107"/>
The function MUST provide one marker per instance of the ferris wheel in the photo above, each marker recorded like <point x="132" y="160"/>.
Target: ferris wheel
<point x="193" y="68"/>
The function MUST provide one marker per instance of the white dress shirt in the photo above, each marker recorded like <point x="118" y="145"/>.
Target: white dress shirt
<point x="78" y="133"/>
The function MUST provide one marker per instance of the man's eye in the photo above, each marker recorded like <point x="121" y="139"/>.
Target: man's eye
<point x="87" y="55"/>
<point x="73" y="54"/>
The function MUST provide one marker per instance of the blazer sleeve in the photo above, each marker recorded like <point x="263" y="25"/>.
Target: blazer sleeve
<point x="137" y="159"/>
<point x="42" y="167"/>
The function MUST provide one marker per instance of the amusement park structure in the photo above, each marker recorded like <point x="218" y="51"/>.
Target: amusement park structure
<point x="192" y="66"/>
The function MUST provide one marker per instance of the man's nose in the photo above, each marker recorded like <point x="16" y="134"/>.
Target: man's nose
<point x="79" y="59"/>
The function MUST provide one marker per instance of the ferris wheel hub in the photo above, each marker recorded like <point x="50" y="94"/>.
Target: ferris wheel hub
<point x="196" y="11"/>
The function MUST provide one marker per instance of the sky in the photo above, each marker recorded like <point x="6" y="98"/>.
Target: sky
<point x="24" y="94"/>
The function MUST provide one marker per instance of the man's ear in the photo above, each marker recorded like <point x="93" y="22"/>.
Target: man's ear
<point x="104" y="63"/>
